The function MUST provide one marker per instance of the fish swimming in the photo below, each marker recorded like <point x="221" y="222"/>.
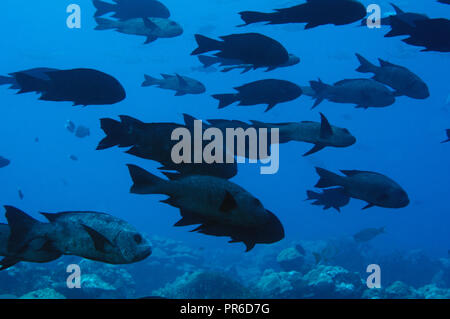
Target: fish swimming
<point x="407" y="17"/>
<point x="4" y="162"/>
<point x="181" y="84"/>
<point x="81" y="86"/>
<point x="151" y="28"/>
<point x="82" y="131"/>
<point x="329" y="198"/>
<point x="220" y="207"/>
<point x="230" y="64"/>
<point x="448" y="135"/>
<point x="153" y="141"/>
<point x="314" y="13"/>
<point x="368" y="234"/>
<point x="364" y="93"/>
<point x="250" y="48"/>
<point x="91" y="235"/>
<point x="70" y="126"/>
<point x="399" y="78"/>
<point x="432" y="34"/>
<point x="270" y="92"/>
<point x="130" y="9"/>
<point x="39" y="73"/>
<point x="374" y="188"/>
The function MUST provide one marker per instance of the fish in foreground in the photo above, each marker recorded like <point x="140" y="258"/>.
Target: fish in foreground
<point x="4" y="162"/>
<point x="374" y="188"/>
<point x="39" y="73"/>
<point x="91" y="235"/>
<point x="253" y="49"/>
<point x="270" y="92"/>
<point x="407" y="17"/>
<point x="130" y="9"/>
<point x="220" y="207"/>
<point x="368" y="234"/>
<point x="448" y="135"/>
<point x="314" y="12"/>
<point x="153" y="141"/>
<point x="399" y="78"/>
<point x="364" y="93"/>
<point x="181" y="84"/>
<point x="230" y="64"/>
<point x="151" y="28"/>
<point x="329" y="198"/>
<point x="81" y="86"/>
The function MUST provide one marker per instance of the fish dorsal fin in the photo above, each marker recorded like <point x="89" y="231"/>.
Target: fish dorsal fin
<point x="166" y="76"/>
<point x="228" y="204"/>
<point x="100" y="241"/>
<point x="384" y="63"/>
<point x="150" y="24"/>
<point x="20" y="225"/>
<point x="183" y="83"/>
<point x="50" y="217"/>
<point x="397" y="9"/>
<point x="325" y="128"/>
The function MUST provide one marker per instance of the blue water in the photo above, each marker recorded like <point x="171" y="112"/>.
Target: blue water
<point x="401" y="141"/>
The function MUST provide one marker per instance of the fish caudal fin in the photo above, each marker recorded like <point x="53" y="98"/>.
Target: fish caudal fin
<point x="226" y="99"/>
<point x="149" y="81"/>
<point x="116" y="134"/>
<point x="207" y="61"/>
<point x="20" y="225"/>
<point x="145" y="182"/>
<point x="320" y="90"/>
<point x="366" y="66"/>
<point x="105" y="24"/>
<point x="250" y="17"/>
<point x="206" y="44"/>
<point x="103" y="7"/>
<point x="327" y="178"/>
<point x="6" y="80"/>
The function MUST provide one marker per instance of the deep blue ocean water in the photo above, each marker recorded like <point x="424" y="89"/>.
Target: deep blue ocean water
<point x="401" y="141"/>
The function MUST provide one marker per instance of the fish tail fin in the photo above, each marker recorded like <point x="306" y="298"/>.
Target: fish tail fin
<point x="226" y="99"/>
<point x="6" y="80"/>
<point x="145" y="182"/>
<point x="320" y="90"/>
<point x="104" y="24"/>
<point x="366" y="66"/>
<point x="206" y="44"/>
<point x="20" y="225"/>
<point x="114" y="131"/>
<point x="103" y="8"/>
<point x="207" y="61"/>
<point x="149" y="81"/>
<point x="327" y="178"/>
<point x="27" y="83"/>
<point x="250" y="17"/>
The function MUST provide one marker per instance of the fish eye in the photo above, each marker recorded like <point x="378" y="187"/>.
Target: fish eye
<point x="137" y="238"/>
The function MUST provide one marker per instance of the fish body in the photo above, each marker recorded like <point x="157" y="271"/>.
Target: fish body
<point x="4" y="162"/>
<point x="181" y="84"/>
<point x="270" y="92"/>
<point x="82" y="132"/>
<point x="130" y="9"/>
<point x="250" y="48"/>
<point x="374" y="188"/>
<point x="151" y="28"/>
<point x="329" y="198"/>
<point x="399" y="78"/>
<point x="314" y="13"/>
<point x="364" y="93"/>
<point x="368" y="234"/>
<point x="220" y="207"/>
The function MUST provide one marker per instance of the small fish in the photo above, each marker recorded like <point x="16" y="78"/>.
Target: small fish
<point x="130" y="9"/>
<point x="20" y="193"/>
<point x="82" y="131"/>
<point x="181" y="84"/>
<point x="448" y="135"/>
<point x="374" y="188"/>
<point x="330" y="198"/>
<point x="368" y="234"/>
<point x="73" y="158"/>
<point x="151" y="28"/>
<point x="4" y="162"/>
<point x="70" y="126"/>
<point x="270" y="92"/>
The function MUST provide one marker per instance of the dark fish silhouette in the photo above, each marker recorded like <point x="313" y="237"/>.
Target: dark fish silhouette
<point x="153" y="141"/>
<point x="374" y="188"/>
<point x="4" y="162"/>
<point x="151" y="28"/>
<point x="364" y="93"/>
<point x="399" y="78"/>
<point x="444" y="1"/>
<point x="270" y="92"/>
<point x="220" y="207"/>
<point x="82" y="131"/>
<point x="39" y="73"/>
<point x="250" y="48"/>
<point x="329" y="198"/>
<point x="448" y="135"/>
<point x="130" y="9"/>
<point x="313" y="12"/>
<point x="90" y="235"/>
<point x="368" y="234"/>
<point x="181" y="84"/>
<point x="230" y="64"/>
<point x="407" y="17"/>
<point x="433" y="34"/>
<point x="81" y="86"/>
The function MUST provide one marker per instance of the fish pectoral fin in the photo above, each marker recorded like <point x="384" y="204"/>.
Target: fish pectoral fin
<point x="150" y="39"/>
<point x="180" y="93"/>
<point x="249" y="245"/>
<point x="315" y="149"/>
<point x="270" y="106"/>
<point x="182" y="81"/>
<point x="369" y="205"/>
<point x="48" y="247"/>
<point x="100" y="241"/>
<point x="228" y="204"/>
<point x="150" y="24"/>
